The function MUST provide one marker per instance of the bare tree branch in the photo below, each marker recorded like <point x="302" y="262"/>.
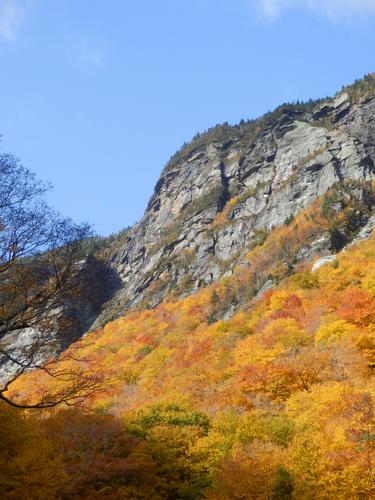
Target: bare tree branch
<point x="40" y="254"/>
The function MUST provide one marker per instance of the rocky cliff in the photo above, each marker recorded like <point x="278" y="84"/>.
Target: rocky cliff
<point x="220" y="196"/>
<point x="224" y="191"/>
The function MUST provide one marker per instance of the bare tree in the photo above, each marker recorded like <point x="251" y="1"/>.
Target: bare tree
<point x="39" y="267"/>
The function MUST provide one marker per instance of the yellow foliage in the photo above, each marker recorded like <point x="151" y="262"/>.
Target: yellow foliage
<point x="286" y="332"/>
<point x="333" y="331"/>
<point x="286" y="417"/>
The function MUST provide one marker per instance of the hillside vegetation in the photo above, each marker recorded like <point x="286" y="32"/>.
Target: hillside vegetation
<point x="276" y="402"/>
<point x="226" y="190"/>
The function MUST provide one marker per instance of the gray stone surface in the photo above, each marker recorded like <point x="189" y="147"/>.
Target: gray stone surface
<point x="291" y="162"/>
<point x="323" y="261"/>
<point x="365" y="231"/>
<point x="267" y="174"/>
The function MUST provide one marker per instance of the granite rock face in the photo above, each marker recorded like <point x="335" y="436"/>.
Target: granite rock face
<point x="217" y="197"/>
<point x="96" y="284"/>
<point x="323" y="261"/>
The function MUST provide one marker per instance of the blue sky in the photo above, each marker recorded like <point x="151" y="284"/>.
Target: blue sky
<point x="96" y="95"/>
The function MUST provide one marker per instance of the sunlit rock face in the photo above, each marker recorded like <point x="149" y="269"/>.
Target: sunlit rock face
<point x="217" y="198"/>
<point x="220" y="193"/>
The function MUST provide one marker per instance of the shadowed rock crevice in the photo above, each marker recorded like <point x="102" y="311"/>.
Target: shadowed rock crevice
<point x="224" y="194"/>
<point x="98" y="282"/>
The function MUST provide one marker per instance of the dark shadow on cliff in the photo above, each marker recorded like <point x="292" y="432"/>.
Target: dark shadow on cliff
<point x="98" y="283"/>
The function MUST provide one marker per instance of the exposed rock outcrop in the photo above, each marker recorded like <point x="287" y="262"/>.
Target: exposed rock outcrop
<point x="229" y="187"/>
<point x="323" y="261"/>
<point x="96" y="284"/>
<point x="217" y="198"/>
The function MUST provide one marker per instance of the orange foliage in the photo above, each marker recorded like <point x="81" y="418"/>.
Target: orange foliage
<point x="296" y="363"/>
<point x="356" y="306"/>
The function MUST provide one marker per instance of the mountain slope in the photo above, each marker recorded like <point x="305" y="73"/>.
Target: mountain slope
<point x="252" y="376"/>
<point x="277" y="402"/>
<point x="223" y="192"/>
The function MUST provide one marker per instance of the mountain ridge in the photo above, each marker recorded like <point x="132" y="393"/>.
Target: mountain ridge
<point x="260" y="382"/>
<point x="222" y="192"/>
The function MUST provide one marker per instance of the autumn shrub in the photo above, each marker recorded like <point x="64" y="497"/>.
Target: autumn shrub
<point x="333" y="331"/>
<point x="30" y="466"/>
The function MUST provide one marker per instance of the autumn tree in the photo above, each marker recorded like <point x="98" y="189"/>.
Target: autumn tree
<point x="361" y="437"/>
<point x="99" y="456"/>
<point x="39" y="274"/>
<point x="30" y="466"/>
<point x="252" y="472"/>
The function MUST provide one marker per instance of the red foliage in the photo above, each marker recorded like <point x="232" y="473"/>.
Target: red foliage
<point x="356" y="306"/>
